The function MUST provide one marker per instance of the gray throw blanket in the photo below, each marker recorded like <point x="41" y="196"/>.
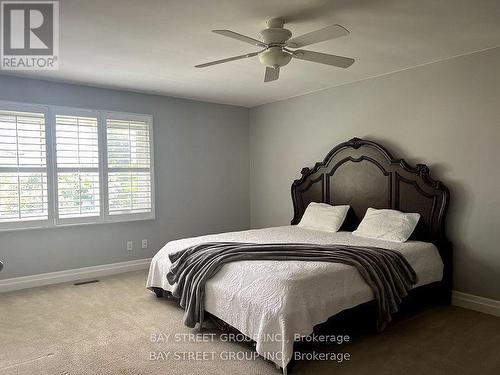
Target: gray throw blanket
<point x="387" y="272"/>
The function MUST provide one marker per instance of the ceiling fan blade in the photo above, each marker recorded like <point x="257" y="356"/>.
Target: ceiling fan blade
<point x="272" y="74"/>
<point x="323" y="58"/>
<point x="240" y="37"/>
<point x="227" y="60"/>
<point x="326" y="33"/>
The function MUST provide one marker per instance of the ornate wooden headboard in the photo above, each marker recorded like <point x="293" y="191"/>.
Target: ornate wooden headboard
<point x="364" y="174"/>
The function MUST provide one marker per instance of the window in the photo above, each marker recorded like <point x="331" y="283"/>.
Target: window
<point x="63" y="166"/>
<point x="128" y="166"/>
<point x="77" y="167"/>
<point x="23" y="168"/>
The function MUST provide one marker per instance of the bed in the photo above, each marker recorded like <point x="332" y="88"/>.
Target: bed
<point x="269" y="299"/>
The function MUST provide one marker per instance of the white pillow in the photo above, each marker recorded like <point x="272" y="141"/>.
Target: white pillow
<point x="322" y="216"/>
<point x="389" y="225"/>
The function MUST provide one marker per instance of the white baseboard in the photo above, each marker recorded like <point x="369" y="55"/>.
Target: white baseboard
<point x="472" y="302"/>
<point x="17" y="283"/>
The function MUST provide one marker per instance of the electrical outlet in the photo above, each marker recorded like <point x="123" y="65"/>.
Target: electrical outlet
<point x="130" y="246"/>
<point x="144" y="244"/>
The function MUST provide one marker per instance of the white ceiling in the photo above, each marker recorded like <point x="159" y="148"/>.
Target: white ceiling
<point x="152" y="45"/>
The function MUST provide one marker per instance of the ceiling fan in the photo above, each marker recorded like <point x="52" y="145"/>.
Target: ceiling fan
<point x="279" y="49"/>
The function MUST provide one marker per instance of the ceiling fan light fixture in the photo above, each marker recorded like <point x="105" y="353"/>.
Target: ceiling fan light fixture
<point x="275" y="57"/>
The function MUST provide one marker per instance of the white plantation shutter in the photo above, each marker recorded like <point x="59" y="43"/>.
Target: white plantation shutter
<point x="129" y="169"/>
<point x="61" y="166"/>
<point x="77" y="167"/>
<point x="23" y="168"/>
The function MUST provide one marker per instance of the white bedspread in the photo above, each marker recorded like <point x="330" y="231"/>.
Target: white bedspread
<point x="267" y="300"/>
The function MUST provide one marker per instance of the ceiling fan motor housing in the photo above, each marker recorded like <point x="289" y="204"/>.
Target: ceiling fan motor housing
<point x="275" y="35"/>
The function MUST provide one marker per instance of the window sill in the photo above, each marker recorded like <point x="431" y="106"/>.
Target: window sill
<point x="77" y="224"/>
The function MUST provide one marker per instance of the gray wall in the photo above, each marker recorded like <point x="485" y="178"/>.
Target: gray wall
<point x="201" y="161"/>
<point x="445" y="114"/>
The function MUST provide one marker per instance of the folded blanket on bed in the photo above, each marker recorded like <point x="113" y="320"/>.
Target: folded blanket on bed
<point x="386" y="271"/>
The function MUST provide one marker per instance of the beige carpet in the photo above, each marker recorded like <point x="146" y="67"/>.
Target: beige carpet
<point x="106" y="328"/>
